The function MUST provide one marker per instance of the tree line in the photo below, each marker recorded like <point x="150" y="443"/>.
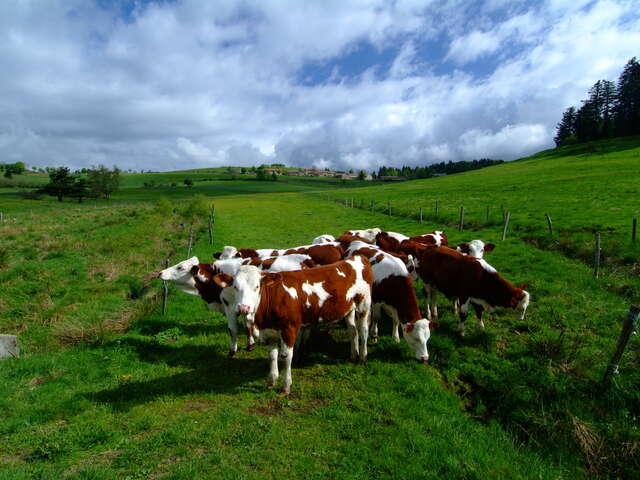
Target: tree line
<point x="97" y="182"/>
<point x="612" y="110"/>
<point x="441" y="168"/>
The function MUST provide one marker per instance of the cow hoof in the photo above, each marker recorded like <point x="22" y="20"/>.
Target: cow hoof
<point x="251" y="347"/>
<point x="231" y="354"/>
<point x="461" y="334"/>
<point x="362" y="361"/>
<point x="374" y="339"/>
<point x="285" y="392"/>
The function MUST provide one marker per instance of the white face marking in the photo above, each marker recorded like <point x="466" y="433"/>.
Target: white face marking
<point x="246" y="283"/>
<point x="417" y="339"/>
<point x="180" y="276"/>
<point x="293" y="293"/>
<point x="317" y="289"/>
<point x="339" y="272"/>
<point x="476" y="248"/>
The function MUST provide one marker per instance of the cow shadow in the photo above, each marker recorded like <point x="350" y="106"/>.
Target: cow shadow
<point x="152" y="326"/>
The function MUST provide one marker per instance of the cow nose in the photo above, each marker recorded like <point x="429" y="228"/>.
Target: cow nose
<point x="243" y="309"/>
<point x="159" y="275"/>
<point x="424" y="359"/>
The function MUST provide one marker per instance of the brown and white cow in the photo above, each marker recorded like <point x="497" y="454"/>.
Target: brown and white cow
<point x="326" y="238"/>
<point x="278" y="305"/>
<point x="368" y="235"/>
<point x="393" y="292"/>
<point x="195" y="278"/>
<point x="321" y="254"/>
<point x="475" y="248"/>
<point x="469" y="279"/>
<point x="393" y="241"/>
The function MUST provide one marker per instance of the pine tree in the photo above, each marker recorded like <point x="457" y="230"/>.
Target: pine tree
<point x="627" y="109"/>
<point x="566" y="128"/>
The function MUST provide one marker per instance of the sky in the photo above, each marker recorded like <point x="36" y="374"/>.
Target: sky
<point x="166" y="85"/>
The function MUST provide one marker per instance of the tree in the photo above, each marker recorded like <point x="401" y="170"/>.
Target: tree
<point x="627" y="108"/>
<point x="103" y="182"/>
<point x="11" y="169"/>
<point x="362" y="175"/>
<point x="81" y="189"/>
<point x="587" y="121"/>
<point x="60" y="183"/>
<point x="274" y="176"/>
<point x="567" y="127"/>
<point x="188" y="182"/>
<point x="261" y="173"/>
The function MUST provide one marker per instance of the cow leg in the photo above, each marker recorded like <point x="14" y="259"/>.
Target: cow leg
<point x="299" y="348"/>
<point x="273" y="371"/>
<point x="251" y="342"/>
<point x="479" y="309"/>
<point x="456" y="306"/>
<point x="232" y="326"/>
<point x="363" y="334"/>
<point x="395" y="325"/>
<point x="286" y="389"/>
<point x="353" y="334"/>
<point x="427" y="296"/>
<point x="433" y="306"/>
<point x="464" y="311"/>
<point x="375" y="317"/>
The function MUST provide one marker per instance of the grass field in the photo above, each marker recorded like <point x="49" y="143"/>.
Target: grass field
<point x="107" y="387"/>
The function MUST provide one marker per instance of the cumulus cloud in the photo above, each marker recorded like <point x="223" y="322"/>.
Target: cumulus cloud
<point x="173" y="85"/>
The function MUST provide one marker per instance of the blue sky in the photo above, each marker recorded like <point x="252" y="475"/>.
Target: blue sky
<point x="358" y="84"/>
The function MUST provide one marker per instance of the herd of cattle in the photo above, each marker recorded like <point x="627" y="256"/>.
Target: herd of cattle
<point x="282" y="294"/>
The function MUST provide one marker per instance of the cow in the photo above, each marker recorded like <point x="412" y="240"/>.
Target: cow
<point x="475" y="248"/>
<point x="278" y="305"/>
<point x="393" y="241"/>
<point x="471" y="280"/>
<point x="393" y="292"/>
<point x="326" y="238"/>
<point x="368" y="235"/>
<point x="195" y="278"/>
<point x="321" y="254"/>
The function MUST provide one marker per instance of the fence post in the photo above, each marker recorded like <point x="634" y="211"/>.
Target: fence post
<point x="596" y="261"/>
<point x="213" y="214"/>
<point x="634" y="228"/>
<point x="190" y="240"/>
<point x="507" y="215"/>
<point x="461" y="222"/>
<point x="420" y="214"/>
<point x="210" y="230"/>
<point x="549" y="223"/>
<point x="165" y="291"/>
<point x="628" y="326"/>
<point x="436" y="208"/>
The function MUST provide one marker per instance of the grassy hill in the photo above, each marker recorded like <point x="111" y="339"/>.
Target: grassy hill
<point x="108" y="387"/>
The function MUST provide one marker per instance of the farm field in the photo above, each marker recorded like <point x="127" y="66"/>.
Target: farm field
<point x="584" y="188"/>
<point x="107" y="387"/>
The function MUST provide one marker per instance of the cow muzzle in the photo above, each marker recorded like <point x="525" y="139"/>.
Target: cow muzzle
<point x="244" y="309"/>
<point x="424" y="359"/>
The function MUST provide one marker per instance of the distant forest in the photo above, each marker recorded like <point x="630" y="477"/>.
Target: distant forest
<point x="612" y="110"/>
<point x="441" y="168"/>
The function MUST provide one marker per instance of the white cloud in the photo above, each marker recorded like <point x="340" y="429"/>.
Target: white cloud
<point x="190" y="83"/>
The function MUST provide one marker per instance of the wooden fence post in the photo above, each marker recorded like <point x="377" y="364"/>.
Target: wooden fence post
<point x="165" y="291"/>
<point x="596" y="260"/>
<point x="420" y="214"/>
<point x="634" y="228"/>
<point x="507" y="215"/>
<point x="461" y="222"/>
<point x="628" y="326"/>
<point x="210" y="230"/>
<point x="190" y="240"/>
<point x="549" y="223"/>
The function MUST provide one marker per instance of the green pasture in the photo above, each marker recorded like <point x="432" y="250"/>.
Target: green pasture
<point x="159" y="399"/>
<point x="584" y="188"/>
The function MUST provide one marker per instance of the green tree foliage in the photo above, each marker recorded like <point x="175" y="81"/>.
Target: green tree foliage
<point x="610" y="110"/>
<point x="437" y="168"/>
<point x="627" y="108"/>
<point x="261" y="173"/>
<point x="197" y="207"/>
<point x="566" y="129"/>
<point x="362" y="175"/>
<point x="81" y="189"/>
<point x="60" y="183"/>
<point x="103" y="182"/>
<point x="11" y="169"/>
<point x="188" y="182"/>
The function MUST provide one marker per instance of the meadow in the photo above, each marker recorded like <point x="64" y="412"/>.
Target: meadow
<point x="108" y="387"/>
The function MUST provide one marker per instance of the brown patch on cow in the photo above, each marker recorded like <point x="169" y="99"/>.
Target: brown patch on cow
<point x="464" y="248"/>
<point x="217" y="255"/>
<point x="321" y="254"/>
<point x="247" y="253"/>
<point x="266" y="264"/>
<point x="387" y="242"/>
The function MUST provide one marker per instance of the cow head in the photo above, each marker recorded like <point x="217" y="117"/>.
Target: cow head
<point x="182" y="274"/>
<point x="228" y="252"/>
<point x="417" y="335"/>
<point x="475" y="248"/>
<point x="246" y="284"/>
<point x="520" y="302"/>
<point x="326" y="238"/>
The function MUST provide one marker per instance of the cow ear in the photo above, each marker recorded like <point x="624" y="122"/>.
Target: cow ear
<point x="433" y="325"/>
<point x="216" y="255"/>
<point x="408" y="328"/>
<point x="524" y="286"/>
<point x="195" y="269"/>
<point x="223" y="280"/>
<point x="464" y="248"/>
<point x="488" y="247"/>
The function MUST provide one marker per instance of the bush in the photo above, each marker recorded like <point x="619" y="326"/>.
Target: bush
<point x="163" y="207"/>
